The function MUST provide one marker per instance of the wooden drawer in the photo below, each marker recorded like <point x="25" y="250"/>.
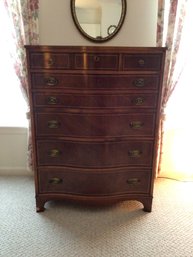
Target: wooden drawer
<point x="121" y="82"/>
<point x="94" y="154"/>
<point x="96" y="61"/>
<point x="90" y="182"/>
<point x="57" y="80"/>
<point x="49" y="60"/>
<point x="95" y="125"/>
<point x="137" y="100"/>
<point x="142" y="62"/>
<point x="94" y="82"/>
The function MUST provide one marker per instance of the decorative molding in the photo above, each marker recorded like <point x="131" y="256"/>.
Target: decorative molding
<point x="13" y="130"/>
<point x="15" y="171"/>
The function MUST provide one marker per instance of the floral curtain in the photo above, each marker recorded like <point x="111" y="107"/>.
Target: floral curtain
<point x="160" y="23"/>
<point x="23" y="17"/>
<point x="171" y="16"/>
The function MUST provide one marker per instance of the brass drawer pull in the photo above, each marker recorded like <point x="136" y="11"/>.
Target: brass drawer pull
<point x="136" y="124"/>
<point x="139" y="101"/>
<point x="139" y="82"/>
<point x="51" y="81"/>
<point x="141" y="62"/>
<point x="54" y="153"/>
<point x="133" y="181"/>
<point x="55" y="181"/>
<point x="52" y="100"/>
<point x="96" y="58"/>
<point x="135" y="153"/>
<point x="53" y="124"/>
<point x="50" y="62"/>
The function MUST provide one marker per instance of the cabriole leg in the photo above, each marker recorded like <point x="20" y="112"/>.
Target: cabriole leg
<point x="40" y="204"/>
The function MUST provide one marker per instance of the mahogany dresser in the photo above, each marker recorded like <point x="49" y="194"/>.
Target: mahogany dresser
<point x="95" y="115"/>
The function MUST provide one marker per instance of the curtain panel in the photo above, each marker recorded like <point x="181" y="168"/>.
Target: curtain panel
<point x="160" y="22"/>
<point x="23" y="16"/>
<point x="170" y="23"/>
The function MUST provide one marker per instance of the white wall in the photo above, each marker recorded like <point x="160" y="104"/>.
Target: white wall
<point x="139" y="28"/>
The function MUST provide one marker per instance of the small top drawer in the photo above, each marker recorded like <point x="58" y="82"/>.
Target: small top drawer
<point x="141" y="62"/>
<point x="96" y="61"/>
<point x="50" y="60"/>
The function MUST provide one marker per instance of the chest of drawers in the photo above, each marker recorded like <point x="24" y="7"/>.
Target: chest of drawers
<point x="94" y="119"/>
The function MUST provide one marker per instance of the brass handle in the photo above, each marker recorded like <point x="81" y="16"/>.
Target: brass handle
<point x="135" y="153"/>
<point x="53" y="124"/>
<point x="139" y="101"/>
<point x="50" y="62"/>
<point x="141" y="62"/>
<point x="55" y="181"/>
<point x="52" y="100"/>
<point x="51" y="81"/>
<point x="136" y="124"/>
<point x="96" y="58"/>
<point x="133" y="181"/>
<point x="139" y="82"/>
<point x="54" y="153"/>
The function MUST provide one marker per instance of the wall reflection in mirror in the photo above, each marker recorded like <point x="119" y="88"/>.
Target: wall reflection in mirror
<point x="98" y="20"/>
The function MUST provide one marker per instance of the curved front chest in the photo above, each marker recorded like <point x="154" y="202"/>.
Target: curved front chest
<point x="95" y="117"/>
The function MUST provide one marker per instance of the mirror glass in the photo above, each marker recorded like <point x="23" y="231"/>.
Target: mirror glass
<point x="98" y="20"/>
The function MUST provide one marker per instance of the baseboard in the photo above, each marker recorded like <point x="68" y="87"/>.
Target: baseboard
<point x="13" y="130"/>
<point x="15" y="171"/>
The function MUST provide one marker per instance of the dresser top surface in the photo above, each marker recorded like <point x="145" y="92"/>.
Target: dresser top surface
<point x="58" y="48"/>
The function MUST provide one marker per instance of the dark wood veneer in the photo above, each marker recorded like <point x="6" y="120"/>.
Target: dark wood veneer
<point x="109" y="81"/>
<point x="95" y="116"/>
<point x="92" y="124"/>
<point x="94" y="154"/>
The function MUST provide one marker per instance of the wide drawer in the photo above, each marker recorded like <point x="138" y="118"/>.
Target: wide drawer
<point x="94" y="82"/>
<point x="94" y="154"/>
<point x="95" y="125"/>
<point x="85" y="100"/>
<point x="49" y="60"/>
<point x="96" y="61"/>
<point x="142" y="62"/>
<point x="72" y="181"/>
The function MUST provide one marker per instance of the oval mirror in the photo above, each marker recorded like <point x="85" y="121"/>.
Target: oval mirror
<point x="98" y="20"/>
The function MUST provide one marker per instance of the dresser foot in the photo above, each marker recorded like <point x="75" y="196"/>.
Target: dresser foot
<point x="147" y="206"/>
<point x="40" y="209"/>
<point x="40" y="205"/>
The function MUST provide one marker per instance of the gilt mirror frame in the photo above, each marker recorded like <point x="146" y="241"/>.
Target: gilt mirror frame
<point x="110" y="35"/>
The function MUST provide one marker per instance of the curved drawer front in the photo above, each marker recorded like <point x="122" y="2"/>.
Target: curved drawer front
<point x="95" y="82"/>
<point x="96" y="61"/>
<point x="93" y="125"/>
<point x="142" y="62"/>
<point x="54" y="80"/>
<point x="138" y="82"/>
<point x="70" y="181"/>
<point x="95" y="101"/>
<point x="93" y="154"/>
<point x="50" y="60"/>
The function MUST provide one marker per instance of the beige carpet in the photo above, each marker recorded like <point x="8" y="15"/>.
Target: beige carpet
<point x="123" y="230"/>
